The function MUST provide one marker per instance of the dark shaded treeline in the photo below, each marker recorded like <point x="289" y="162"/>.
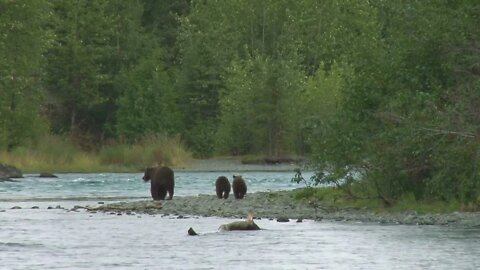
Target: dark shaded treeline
<point x="382" y="89"/>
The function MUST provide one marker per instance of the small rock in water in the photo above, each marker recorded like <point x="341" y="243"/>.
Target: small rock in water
<point x="58" y="207"/>
<point x="35" y="207"/>
<point x="283" y="219"/>
<point x="1" y="211"/>
<point x="101" y="203"/>
<point x="191" y="232"/>
<point x="299" y="220"/>
<point x="47" y="175"/>
<point x="16" y="207"/>
<point x="50" y="207"/>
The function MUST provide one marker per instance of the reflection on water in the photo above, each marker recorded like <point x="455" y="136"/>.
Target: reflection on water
<point x="41" y="239"/>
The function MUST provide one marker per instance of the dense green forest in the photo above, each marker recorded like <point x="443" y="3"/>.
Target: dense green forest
<point x="383" y="90"/>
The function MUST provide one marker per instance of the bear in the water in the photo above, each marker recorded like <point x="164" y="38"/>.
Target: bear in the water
<point x="239" y="187"/>
<point x="161" y="182"/>
<point x="222" y="187"/>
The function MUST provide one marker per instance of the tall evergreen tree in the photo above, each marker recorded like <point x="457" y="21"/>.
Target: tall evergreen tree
<point x="95" y="41"/>
<point x="22" y="44"/>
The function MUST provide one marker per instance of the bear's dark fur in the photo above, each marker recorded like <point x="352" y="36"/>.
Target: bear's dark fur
<point x="239" y="187"/>
<point x="161" y="182"/>
<point x="222" y="186"/>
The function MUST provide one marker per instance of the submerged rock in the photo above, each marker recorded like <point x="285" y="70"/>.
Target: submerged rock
<point x="47" y="175"/>
<point x="283" y="219"/>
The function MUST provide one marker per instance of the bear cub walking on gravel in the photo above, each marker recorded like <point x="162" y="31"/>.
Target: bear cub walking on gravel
<point x="222" y="187"/>
<point x="239" y="187"/>
<point x="161" y="182"/>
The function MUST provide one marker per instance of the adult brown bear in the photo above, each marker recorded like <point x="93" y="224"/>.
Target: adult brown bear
<point x="239" y="187"/>
<point x="161" y="182"/>
<point x="222" y="187"/>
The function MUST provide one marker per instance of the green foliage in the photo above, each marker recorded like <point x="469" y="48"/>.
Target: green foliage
<point x="325" y="195"/>
<point x="202" y="137"/>
<point x="256" y="106"/>
<point x="403" y="123"/>
<point x="148" y="101"/>
<point x="94" y="42"/>
<point x="22" y="43"/>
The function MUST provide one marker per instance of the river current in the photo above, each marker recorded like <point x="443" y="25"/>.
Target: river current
<point x="44" y="238"/>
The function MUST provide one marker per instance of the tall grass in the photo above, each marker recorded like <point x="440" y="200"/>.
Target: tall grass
<point x="149" y="151"/>
<point x="52" y="154"/>
<point x="58" y="154"/>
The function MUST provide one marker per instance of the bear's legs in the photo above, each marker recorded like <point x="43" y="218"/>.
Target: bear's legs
<point x="162" y="193"/>
<point x="154" y="192"/>
<point x="170" y="194"/>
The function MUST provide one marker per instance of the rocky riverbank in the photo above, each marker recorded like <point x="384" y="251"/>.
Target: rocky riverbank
<point x="282" y="207"/>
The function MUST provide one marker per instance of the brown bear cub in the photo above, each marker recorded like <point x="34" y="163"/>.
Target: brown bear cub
<point x="222" y="187"/>
<point x="161" y="182"/>
<point x="239" y="187"/>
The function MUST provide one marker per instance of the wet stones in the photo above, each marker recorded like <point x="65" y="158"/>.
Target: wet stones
<point x="47" y="175"/>
<point x="283" y="219"/>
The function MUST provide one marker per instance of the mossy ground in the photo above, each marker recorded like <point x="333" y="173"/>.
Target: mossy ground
<point x="335" y="197"/>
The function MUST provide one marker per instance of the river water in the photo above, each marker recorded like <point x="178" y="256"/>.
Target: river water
<point x="58" y="239"/>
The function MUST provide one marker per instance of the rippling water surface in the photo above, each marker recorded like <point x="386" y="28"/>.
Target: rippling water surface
<point x="58" y="239"/>
<point x="130" y="185"/>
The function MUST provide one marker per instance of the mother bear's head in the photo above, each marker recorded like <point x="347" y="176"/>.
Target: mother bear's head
<point x="148" y="174"/>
